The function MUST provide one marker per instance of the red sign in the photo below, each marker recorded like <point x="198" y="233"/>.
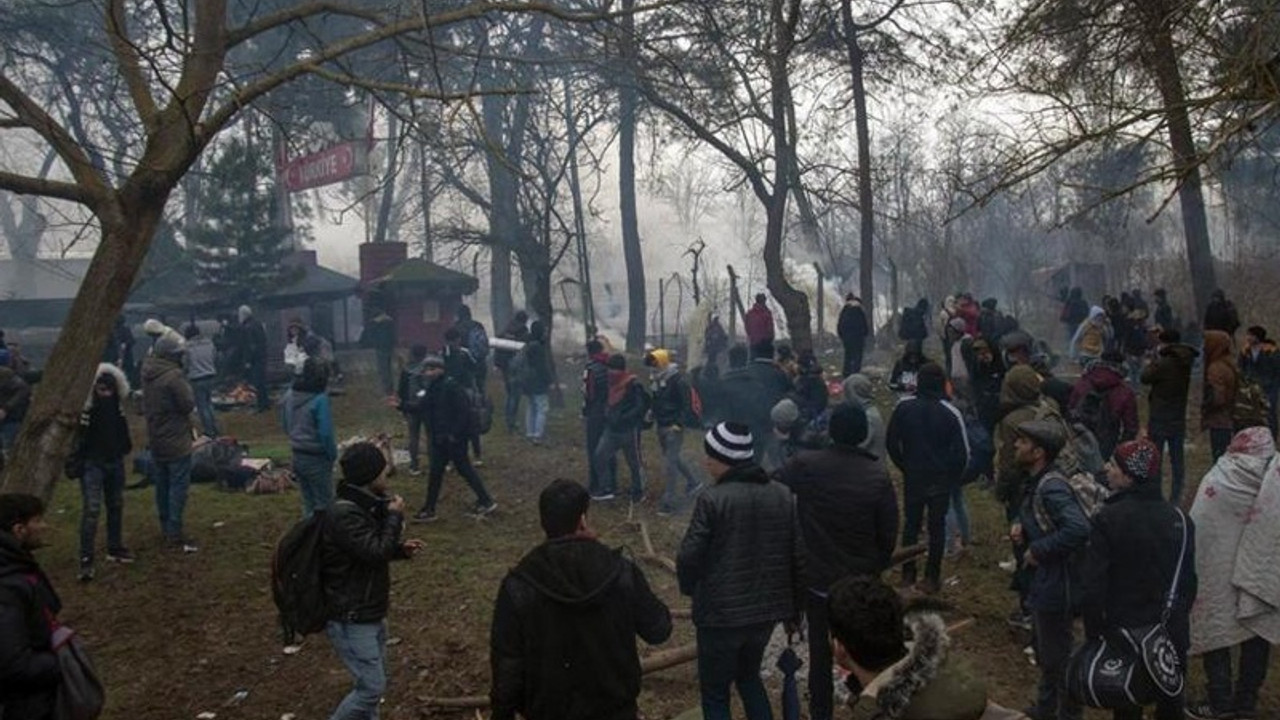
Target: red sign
<point x="326" y="167"/>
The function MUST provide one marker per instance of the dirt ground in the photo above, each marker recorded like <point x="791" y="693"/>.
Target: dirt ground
<point x="176" y="636"/>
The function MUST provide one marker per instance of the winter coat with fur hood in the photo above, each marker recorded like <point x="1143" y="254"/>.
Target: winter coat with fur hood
<point x="1221" y="382"/>
<point x="167" y="401"/>
<point x="928" y="684"/>
<point x="104" y="431"/>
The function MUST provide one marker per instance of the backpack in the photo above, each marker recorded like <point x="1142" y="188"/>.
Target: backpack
<point x="1093" y="413"/>
<point x="1090" y="495"/>
<point x="1092" y="341"/>
<point x="1081" y="452"/>
<point x="1251" y="408"/>
<point x="296" y="577"/>
<point x="478" y="342"/>
<point x="416" y="390"/>
<point x="81" y="695"/>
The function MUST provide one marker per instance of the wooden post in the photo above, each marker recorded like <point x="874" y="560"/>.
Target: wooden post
<point x="662" y="312"/>
<point x="733" y="302"/>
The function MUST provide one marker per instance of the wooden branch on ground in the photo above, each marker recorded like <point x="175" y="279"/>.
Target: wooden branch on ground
<point x="902" y="555"/>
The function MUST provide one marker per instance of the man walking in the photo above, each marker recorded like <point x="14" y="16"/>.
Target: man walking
<point x="1053" y="529"/>
<point x="362" y="537"/>
<point x="29" y="671"/>
<point x="849" y="517"/>
<point x="741" y="561"/>
<point x="927" y="441"/>
<point x="1169" y="376"/>
<point x="628" y="402"/>
<point x="853" y="330"/>
<point x="167" y="402"/>
<point x="562" y="645"/>
<point x="672" y="413"/>
<point x="447" y="417"/>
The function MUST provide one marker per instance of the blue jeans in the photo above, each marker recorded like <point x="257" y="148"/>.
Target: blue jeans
<point x="1176" y="450"/>
<point x="1242" y="695"/>
<point x="102" y="481"/>
<point x="172" y="479"/>
<point x="958" y="516"/>
<point x="729" y="656"/>
<point x="362" y="648"/>
<point x="203" y="389"/>
<point x="597" y="483"/>
<point x="535" y="419"/>
<point x="511" y="406"/>
<point x="315" y="481"/>
<point x="671" y="440"/>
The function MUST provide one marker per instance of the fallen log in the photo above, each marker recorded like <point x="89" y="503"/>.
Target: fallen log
<point x="902" y="555"/>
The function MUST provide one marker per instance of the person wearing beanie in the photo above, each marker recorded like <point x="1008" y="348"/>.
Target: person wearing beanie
<point x="626" y="406"/>
<point x="859" y="391"/>
<point x="449" y="422"/>
<point x="848" y="514"/>
<point x="1104" y="403"/>
<point x="927" y="442"/>
<point x="167" y="403"/>
<point x="364" y="534"/>
<point x="1051" y="531"/>
<point x="741" y="560"/>
<point x="1169" y="376"/>
<point x="853" y="329"/>
<point x="1135" y="546"/>
<point x="673" y="411"/>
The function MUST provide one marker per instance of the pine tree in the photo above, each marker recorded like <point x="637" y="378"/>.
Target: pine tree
<point x="235" y="244"/>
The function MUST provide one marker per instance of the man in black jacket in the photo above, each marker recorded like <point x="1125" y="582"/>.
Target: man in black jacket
<point x="625" y="409"/>
<point x="1135" y="546"/>
<point x="29" y="674"/>
<point x="741" y="560"/>
<point x="849" y="517"/>
<point x="672" y="413"/>
<point x="563" y="643"/>
<point x="852" y="329"/>
<point x="595" y="405"/>
<point x="447" y="417"/>
<point x="927" y="441"/>
<point x="362" y="537"/>
<point x="1169" y="376"/>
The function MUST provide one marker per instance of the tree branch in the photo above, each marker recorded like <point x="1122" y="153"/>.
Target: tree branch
<point x="24" y="185"/>
<point x="237" y="36"/>
<point x="129" y="62"/>
<point x="409" y="90"/>
<point x="35" y="117"/>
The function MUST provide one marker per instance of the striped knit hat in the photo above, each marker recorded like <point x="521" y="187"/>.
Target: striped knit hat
<point x="730" y="443"/>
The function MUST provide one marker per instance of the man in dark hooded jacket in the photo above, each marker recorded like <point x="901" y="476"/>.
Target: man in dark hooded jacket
<point x="1221" y="314"/>
<point x="853" y="330"/>
<point x="1105" y="404"/>
<point x="1169" y="376"/>
<point x="627" y="404"/>
<point x="562" y="645"/>
<point x="29" y="673"/>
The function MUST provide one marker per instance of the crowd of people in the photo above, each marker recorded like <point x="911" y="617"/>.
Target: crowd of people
<point x="793" y="517"/>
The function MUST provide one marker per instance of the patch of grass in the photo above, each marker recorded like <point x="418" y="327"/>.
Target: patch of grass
<point x="178" y="635"/>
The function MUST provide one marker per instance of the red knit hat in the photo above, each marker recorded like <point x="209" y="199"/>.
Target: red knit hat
<point x="1139" y="459"/>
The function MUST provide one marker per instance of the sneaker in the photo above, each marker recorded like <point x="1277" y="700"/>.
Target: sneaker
<point x="424" y="516"/>
<point x="293" y="648"/>
<point x="189" y="547"/>
<point x="667" y="511"/>
<point x="120" y="555"/>
<point x="1019" y="620"/>
<point x="1204" y="711"/>
<point x="477" y="463"/>
<point x="485" y="510"/>
<point x="604" y="497"/>
<point x="86" y="570"/>
<point x="415" y="471"/>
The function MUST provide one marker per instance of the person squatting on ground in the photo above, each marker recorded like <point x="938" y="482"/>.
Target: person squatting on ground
<point x="101" y="446"/>
<point x="29" y="607"/>
<point x="363" y="534"/>
<point x="202" y="373"/>
<point x="672" y="412"/>
<point x="1135" y="545"/>
<point x="628" y="403"/>
<point x="1053" y="530"/>
<point x="928" y="443"/>
<point x="741" y="560"/>
<point x="848" y="514"/>
<point x="308" y="420"/>
<point x="563" y="641"/>
<point x="1237" y="519"/>
<point x="167" y="402"/>
<point x="448" y="420"/>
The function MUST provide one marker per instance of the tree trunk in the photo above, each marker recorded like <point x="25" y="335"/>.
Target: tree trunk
<point x="627" y="189"/>
<point x="866" y="196"/>
<point x="382" y="231"/>
<point x="37" y="459"/>
<point x="1163" y="64"/>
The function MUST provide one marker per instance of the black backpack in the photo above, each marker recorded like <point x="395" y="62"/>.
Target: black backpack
<point x="1094" y="414"/>
<point x="296" y="577"/>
